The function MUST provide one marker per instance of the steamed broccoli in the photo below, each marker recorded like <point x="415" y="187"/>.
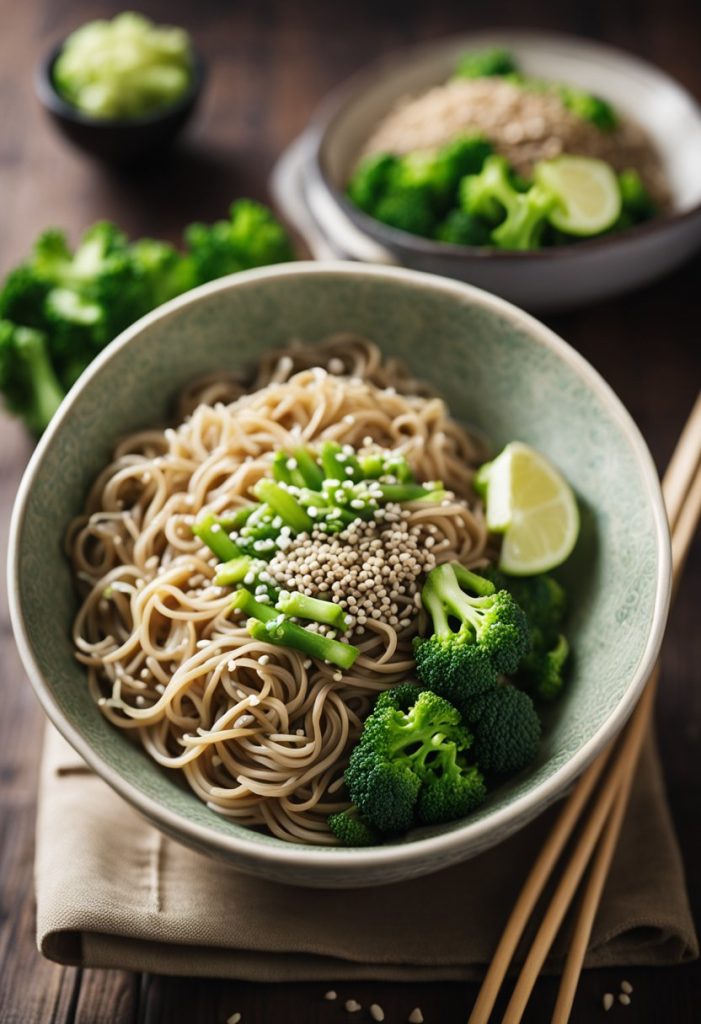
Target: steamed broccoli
<point x="475" y="636"/>
<point x="410" y="765"/>
<point x="409" y="210"/>
<point x="543" y="600"/>
<point x="506" y="729"/>
<point x="588" y="107"/>
<point x="518" y="218"/>
<point x="486" y="64"/>
<point x="461" y="228"/>
<point x="440" y="171"/>
<point x="371" y="180"/>
<point x="81" y="299"/>
<point x="251" y="237"/>
<point x="351" y="829"/>
<point x="637" y="204"/>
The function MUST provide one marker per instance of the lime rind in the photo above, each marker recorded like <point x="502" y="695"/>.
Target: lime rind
<point x="574" y="181"/>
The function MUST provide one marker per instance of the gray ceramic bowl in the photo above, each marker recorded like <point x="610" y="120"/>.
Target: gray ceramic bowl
<point x="309" y="180"/>
<point x="499" y="370"/>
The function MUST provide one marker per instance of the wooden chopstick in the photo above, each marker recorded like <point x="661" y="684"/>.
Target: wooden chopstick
<point x="688" y="518"/>
<point x="683" y="518"/>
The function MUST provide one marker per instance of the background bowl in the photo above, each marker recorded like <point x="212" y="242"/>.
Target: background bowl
<point x="309" y="180"/>
<point x="499" y="370"/>
<point x="117" y="140"/>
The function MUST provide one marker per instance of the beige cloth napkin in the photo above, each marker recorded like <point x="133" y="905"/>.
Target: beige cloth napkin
<point x="113" y="892"/>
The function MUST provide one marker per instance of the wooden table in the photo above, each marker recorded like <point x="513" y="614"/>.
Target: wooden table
<point x="271" y="62"/>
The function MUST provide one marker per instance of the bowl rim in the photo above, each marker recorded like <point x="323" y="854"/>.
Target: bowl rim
<point x="51" y="99"/>
<point x="472" y="834"/>
<point x="343" y="96"/>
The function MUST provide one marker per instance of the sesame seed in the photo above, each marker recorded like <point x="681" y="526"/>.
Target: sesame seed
<point x="416" y="1016"/>
<point x="624" y="999"/>
<point x="607" y="1001"/>
<point x="264" y="659"/>
<point x="234" y="1018"/>
<point x="376" y="1012"/>
<point x="352" y="1005"/>
<point x="330" y="995"/>
<point x="626" y="987"/>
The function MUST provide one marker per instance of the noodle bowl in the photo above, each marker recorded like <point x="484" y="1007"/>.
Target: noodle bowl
<point x="260" y="732"/>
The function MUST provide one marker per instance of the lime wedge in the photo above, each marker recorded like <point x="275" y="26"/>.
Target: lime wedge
<point x="587" y="193"/>
<point x="533" y="506"/>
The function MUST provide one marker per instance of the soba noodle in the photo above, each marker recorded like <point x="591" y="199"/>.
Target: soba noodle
<point x="261" y="732"/>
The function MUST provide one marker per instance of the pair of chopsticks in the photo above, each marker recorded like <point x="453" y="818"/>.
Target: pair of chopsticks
<point x="614" y="771"/>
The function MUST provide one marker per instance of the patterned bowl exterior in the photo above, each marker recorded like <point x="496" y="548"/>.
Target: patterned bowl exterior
<point x="500" y="371"/>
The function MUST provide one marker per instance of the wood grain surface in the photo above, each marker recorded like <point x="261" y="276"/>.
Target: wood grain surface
<point x="270" y="64"/>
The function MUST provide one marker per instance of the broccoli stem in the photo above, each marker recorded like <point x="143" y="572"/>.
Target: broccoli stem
<point x="406" y="492"/>
<point x="233" y="571"/>
<point x="471" y="581"/>
<point x="284" y="633"/>
<point x="238" y="518"/>
<point x="336" y="463"/>
<point x="284" y="505"/>
<point x="244" y="601"/>
<point x="281" y="471"/>
<point x="443" y="597"/>
<point x="310" y="471"/>
<point x="208" y="528"/>
<point x="46" y="392"/>
<point x="304" y="607"/>
<point x="372" y="467"/>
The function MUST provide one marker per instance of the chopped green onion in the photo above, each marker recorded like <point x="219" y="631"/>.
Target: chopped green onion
<point x="244" y="601"/>
<point x="284" y="633"/>
<point x="308" y="468"/>
<point x="282" y="503"/>
<point x="211" y="532"/>
<point x="234" y="571"/>
<point x="304" y="607"/>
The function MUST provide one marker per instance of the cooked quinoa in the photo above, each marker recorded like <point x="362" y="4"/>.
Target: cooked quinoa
<point x="523" y="125"/>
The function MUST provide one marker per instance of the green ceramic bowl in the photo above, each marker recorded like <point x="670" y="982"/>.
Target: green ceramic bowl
<point x="499" y="370"/>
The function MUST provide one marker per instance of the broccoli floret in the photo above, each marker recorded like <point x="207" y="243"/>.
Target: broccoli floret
<point x="350" y="828"/>
<point x="475" y="635"/>
<point x="371" y="180"/>
<point x="440" y="171"/>
<point x="22" y="297"/>
<point x="410" y="766"/>
<point x="543" y="600"/>
<point x="251" y="237"/>
<point x="588" y="107"/>
<point x="409" y="210"/>
<point x="542" y="670"/>
<point x="518" y="218"/>
<point x="461" y="228"/>
<point x="486" y="64"/>
<point x="160" y="272"/>
<point x="637" y="203"/>
<point x="506" y="728"/>
<point x="27" y="377"/>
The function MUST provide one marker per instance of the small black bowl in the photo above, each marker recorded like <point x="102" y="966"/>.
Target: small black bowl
<point x="117" y="140"/>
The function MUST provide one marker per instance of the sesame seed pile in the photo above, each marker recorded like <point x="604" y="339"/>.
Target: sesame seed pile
<point x="371" y="569"/>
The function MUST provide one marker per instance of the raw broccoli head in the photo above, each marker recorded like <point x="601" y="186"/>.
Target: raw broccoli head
<point x="251" y="237"/>
<point x="410" y="764"/>
<point x="22" y="297"/>
<point x="351" y="829"/>
<point x="160" y="272"/>
<point x="371" y="180"/>
<point x="506" y="728"/>
<point x="467" y="610"/>
<point x="27" y="377"/>
<point x="460" y="228"/>
<point x="486" y="64"/>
